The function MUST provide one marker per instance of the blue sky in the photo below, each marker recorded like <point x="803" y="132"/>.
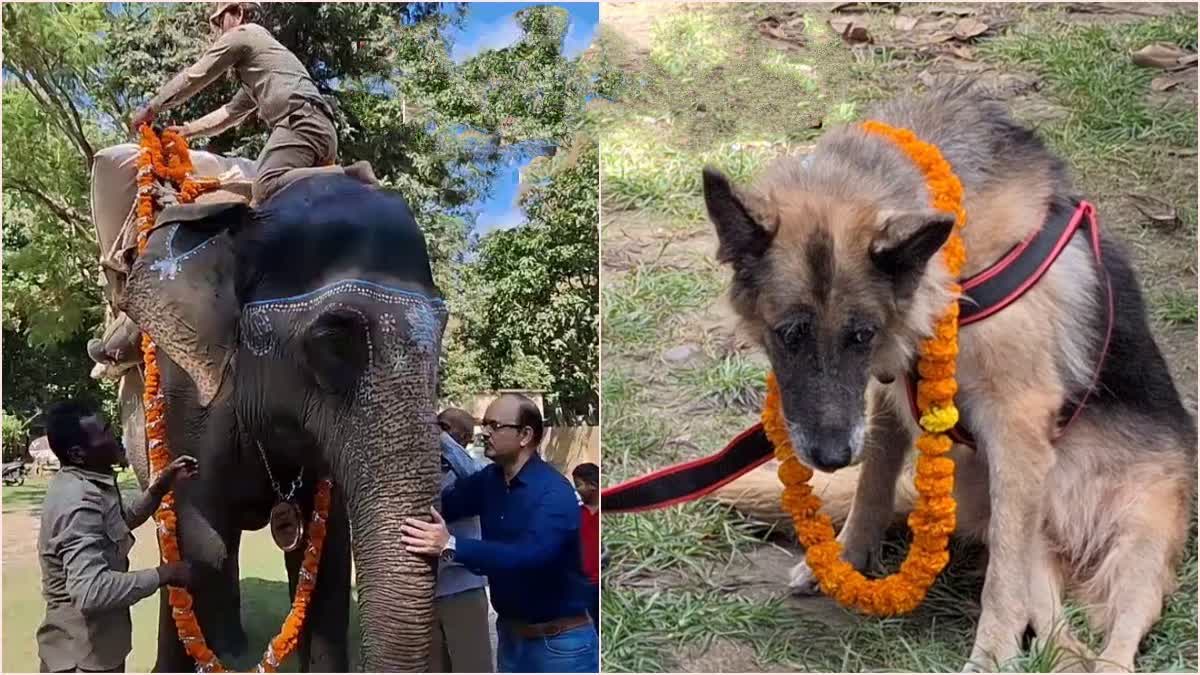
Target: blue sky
<point x="491" y="26"/>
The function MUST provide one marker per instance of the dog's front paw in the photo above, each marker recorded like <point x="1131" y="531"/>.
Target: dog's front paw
<point x="992" y="656"/>
<point x="803" y="582"/>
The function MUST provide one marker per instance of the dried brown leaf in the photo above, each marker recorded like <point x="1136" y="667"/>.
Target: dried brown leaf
<point x="1167" y="82"/>
<point x="851" y="30"/>
<point x="941" y="10"/>
<point x="1157" y="9"/>
<point x="784" y="29"/>
<point x="961" y="51"/>
<point x="968" y="28"/>
<point x="1159" y="55"/>
<point x="1160" y="213"/>
<point x="858" y="7"/>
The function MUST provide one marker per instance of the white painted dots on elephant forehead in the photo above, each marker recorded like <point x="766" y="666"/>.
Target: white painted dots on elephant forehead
<point x="170" y="264"/>
<point x="258" y="333"/>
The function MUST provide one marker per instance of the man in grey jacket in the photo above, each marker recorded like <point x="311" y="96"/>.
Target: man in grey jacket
<point x="462" y="639"/>
<point x="84" y="545"/>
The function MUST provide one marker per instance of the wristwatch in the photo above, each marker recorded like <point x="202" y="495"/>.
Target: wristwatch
<point x="447" y="553"/>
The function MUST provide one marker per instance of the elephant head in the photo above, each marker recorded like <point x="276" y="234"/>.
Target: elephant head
<point x="320" y="311"/>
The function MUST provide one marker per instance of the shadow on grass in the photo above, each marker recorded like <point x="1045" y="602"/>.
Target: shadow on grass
<point x="265" y="605"/>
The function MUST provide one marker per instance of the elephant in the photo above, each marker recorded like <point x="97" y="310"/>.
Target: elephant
<point x="298" y="340"/>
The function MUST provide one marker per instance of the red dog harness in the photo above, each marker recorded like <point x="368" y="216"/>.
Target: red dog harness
<point x="984" y="294"/>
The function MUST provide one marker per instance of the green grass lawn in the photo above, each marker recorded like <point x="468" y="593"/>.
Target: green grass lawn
<point x="265" y="600"/>
<point x="698" y="586"/>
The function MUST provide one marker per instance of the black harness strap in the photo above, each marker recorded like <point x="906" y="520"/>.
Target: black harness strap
<point x="984" y="294"/>
<point x="1016" y="272"/>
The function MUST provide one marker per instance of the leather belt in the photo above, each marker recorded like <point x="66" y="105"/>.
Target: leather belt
<point x="548" y="628"/>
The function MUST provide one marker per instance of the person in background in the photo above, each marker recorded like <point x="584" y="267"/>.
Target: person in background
<point x="84" y="544"/>
<point x="459" y="423"/>
<point x="529" y="550"/>
<point x="587" y="484"/>
<point x="461" y="640"/>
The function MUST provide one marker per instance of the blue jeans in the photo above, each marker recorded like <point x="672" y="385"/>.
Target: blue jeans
<point x="573" y="651"/>
<point x="594" y="604"/>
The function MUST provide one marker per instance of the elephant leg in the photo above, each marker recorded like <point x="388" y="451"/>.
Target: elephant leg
<point x="324" y="642"/>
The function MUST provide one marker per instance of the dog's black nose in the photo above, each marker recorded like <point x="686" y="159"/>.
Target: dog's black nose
<point x="829" y="458"/>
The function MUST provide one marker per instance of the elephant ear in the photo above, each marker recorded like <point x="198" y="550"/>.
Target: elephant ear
<point x="181" y="290"/>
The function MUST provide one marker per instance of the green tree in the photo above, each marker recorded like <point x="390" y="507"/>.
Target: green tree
<point x="434" y="130"/>
<point x="533" y="320"/>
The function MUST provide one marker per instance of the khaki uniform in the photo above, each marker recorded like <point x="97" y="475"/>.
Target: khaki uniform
<point x="277" y="85"/>
<point x="461" y="643"/>
<point x="83" y="547"/>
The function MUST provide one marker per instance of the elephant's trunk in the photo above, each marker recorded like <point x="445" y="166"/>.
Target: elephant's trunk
<point x="388" y="482"/>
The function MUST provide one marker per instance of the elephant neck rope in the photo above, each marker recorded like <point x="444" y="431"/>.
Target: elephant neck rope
<point x="166" y="159"/>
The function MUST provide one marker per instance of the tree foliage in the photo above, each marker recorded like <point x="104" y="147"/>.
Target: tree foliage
<point x="435" y="130"/>
<point x="533" y="315"/>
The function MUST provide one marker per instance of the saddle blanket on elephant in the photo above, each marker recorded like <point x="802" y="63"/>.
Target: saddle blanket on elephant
<point x="114" y="203"/>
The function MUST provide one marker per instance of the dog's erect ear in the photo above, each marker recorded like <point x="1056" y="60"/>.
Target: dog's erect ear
<point x="906" y="242"/>
<point x="741" y="236"/>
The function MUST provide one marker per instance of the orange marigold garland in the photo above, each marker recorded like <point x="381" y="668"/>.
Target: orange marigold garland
<point x="933" y="518"/>
<point x="167" y="159"/>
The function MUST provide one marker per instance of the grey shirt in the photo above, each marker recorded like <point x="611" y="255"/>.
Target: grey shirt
<point x="83" y="547"/>
<point x="273" y="80"/>
<point x="453" y="577"/>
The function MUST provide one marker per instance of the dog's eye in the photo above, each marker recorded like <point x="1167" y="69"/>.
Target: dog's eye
<point x="793" y="334"/>
<point x="861" y="336"/>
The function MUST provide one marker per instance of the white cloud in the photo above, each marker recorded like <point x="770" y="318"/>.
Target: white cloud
<point x="502" y="220"/>
<point x="497" y="34"/>
<point x="577" y="40"/>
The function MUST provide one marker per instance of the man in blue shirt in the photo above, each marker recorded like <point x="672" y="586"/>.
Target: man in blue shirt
<point x="530" y="548"/>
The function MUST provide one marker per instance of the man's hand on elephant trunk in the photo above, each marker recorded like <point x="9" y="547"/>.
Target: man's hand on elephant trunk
<point x="425" y="538"/>
<point x="185" y="466"/>
<point x="178" y="573"/>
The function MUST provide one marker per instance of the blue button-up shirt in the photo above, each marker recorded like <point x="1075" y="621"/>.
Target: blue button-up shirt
<point x="530" y="551"/>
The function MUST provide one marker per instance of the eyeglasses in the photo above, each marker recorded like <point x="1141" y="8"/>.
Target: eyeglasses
<point x="493" y="427"/>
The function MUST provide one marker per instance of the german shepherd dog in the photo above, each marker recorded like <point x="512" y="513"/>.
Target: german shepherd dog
<point x="833" y="279"/>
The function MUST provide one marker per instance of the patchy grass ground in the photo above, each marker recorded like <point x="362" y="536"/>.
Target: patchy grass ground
<point x="699" y="587"/>
<point x="265" y="600"/>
